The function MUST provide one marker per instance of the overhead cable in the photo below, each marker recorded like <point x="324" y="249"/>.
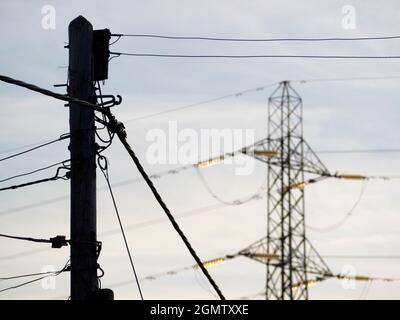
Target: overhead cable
<point x="62" y="137"/>
<point x="303" y="39"/>
<point x="259" y="56"/>
<point x="56" y="273"/>
<point x="26" y="184"/>
<point x="103" y="164"/>
<point x="36" y="170"/>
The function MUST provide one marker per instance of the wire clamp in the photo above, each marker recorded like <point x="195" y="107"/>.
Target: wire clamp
<point x="111" y="102"/>
<point x="117" y="127"/>
<point x="58" y="242"/>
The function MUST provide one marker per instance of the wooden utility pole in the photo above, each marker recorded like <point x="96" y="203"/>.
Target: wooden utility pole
<point x="83" y="164"/>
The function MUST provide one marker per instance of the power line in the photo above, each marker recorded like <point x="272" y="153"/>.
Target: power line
<point x="257" y="194"/>
<point x="25" y="238"/>
<point x="367" y="257"/>
<point x="49" y="93"/>
<point x="56" y="273"/>
<point x="346" y="217"/>
<point x="26" y="275"/>
<point x="126" y="182"/>
<point x="173" y="272"/>
<point x="240" y="93"/>
<point x="367" y="78"/>
<point x="56" y="242"/>
<point x="87" y="104"/>
<point x="386" y="177"/>
<point x="229" y="257"/>
<point x="347" y="151"/>
<point x="181" y="215"/>
<point x="201" y="283"/>
<point x="139" y="225"/>
<point x="103" y="164"/>
<point x="28" y="282"/>
<point x="207" y="264"/>
<point x="222" y="259"/>
<point x="35" y="171"/>
<point x="62" y="137"/>
<point x="356" y="177"/>
<point x="24" y="146"/>
<point x="365" y="291"/>
<point x="115" y="185"/>
<point x="361" y="278"/>
<point x="251" y="296"/>
<point x="54" y="178"/>
<point x="235" y="94"/>
<point x="255" y="39"/>
<point x="200" y="103"/>
<point x="158" y="55"/>
<point x="255" y="89"/>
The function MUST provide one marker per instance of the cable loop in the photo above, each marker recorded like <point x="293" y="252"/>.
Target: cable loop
<point x="102" y="162"/>
<point x="101" y="270"/>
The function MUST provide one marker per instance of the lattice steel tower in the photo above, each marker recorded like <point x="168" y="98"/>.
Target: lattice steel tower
<point x="292" y="262"/>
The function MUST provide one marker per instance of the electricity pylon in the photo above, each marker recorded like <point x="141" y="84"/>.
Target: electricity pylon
<point x="291" y="260"/>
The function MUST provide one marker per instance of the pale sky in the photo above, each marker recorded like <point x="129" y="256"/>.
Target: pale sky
<point x="337" y="115"/>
